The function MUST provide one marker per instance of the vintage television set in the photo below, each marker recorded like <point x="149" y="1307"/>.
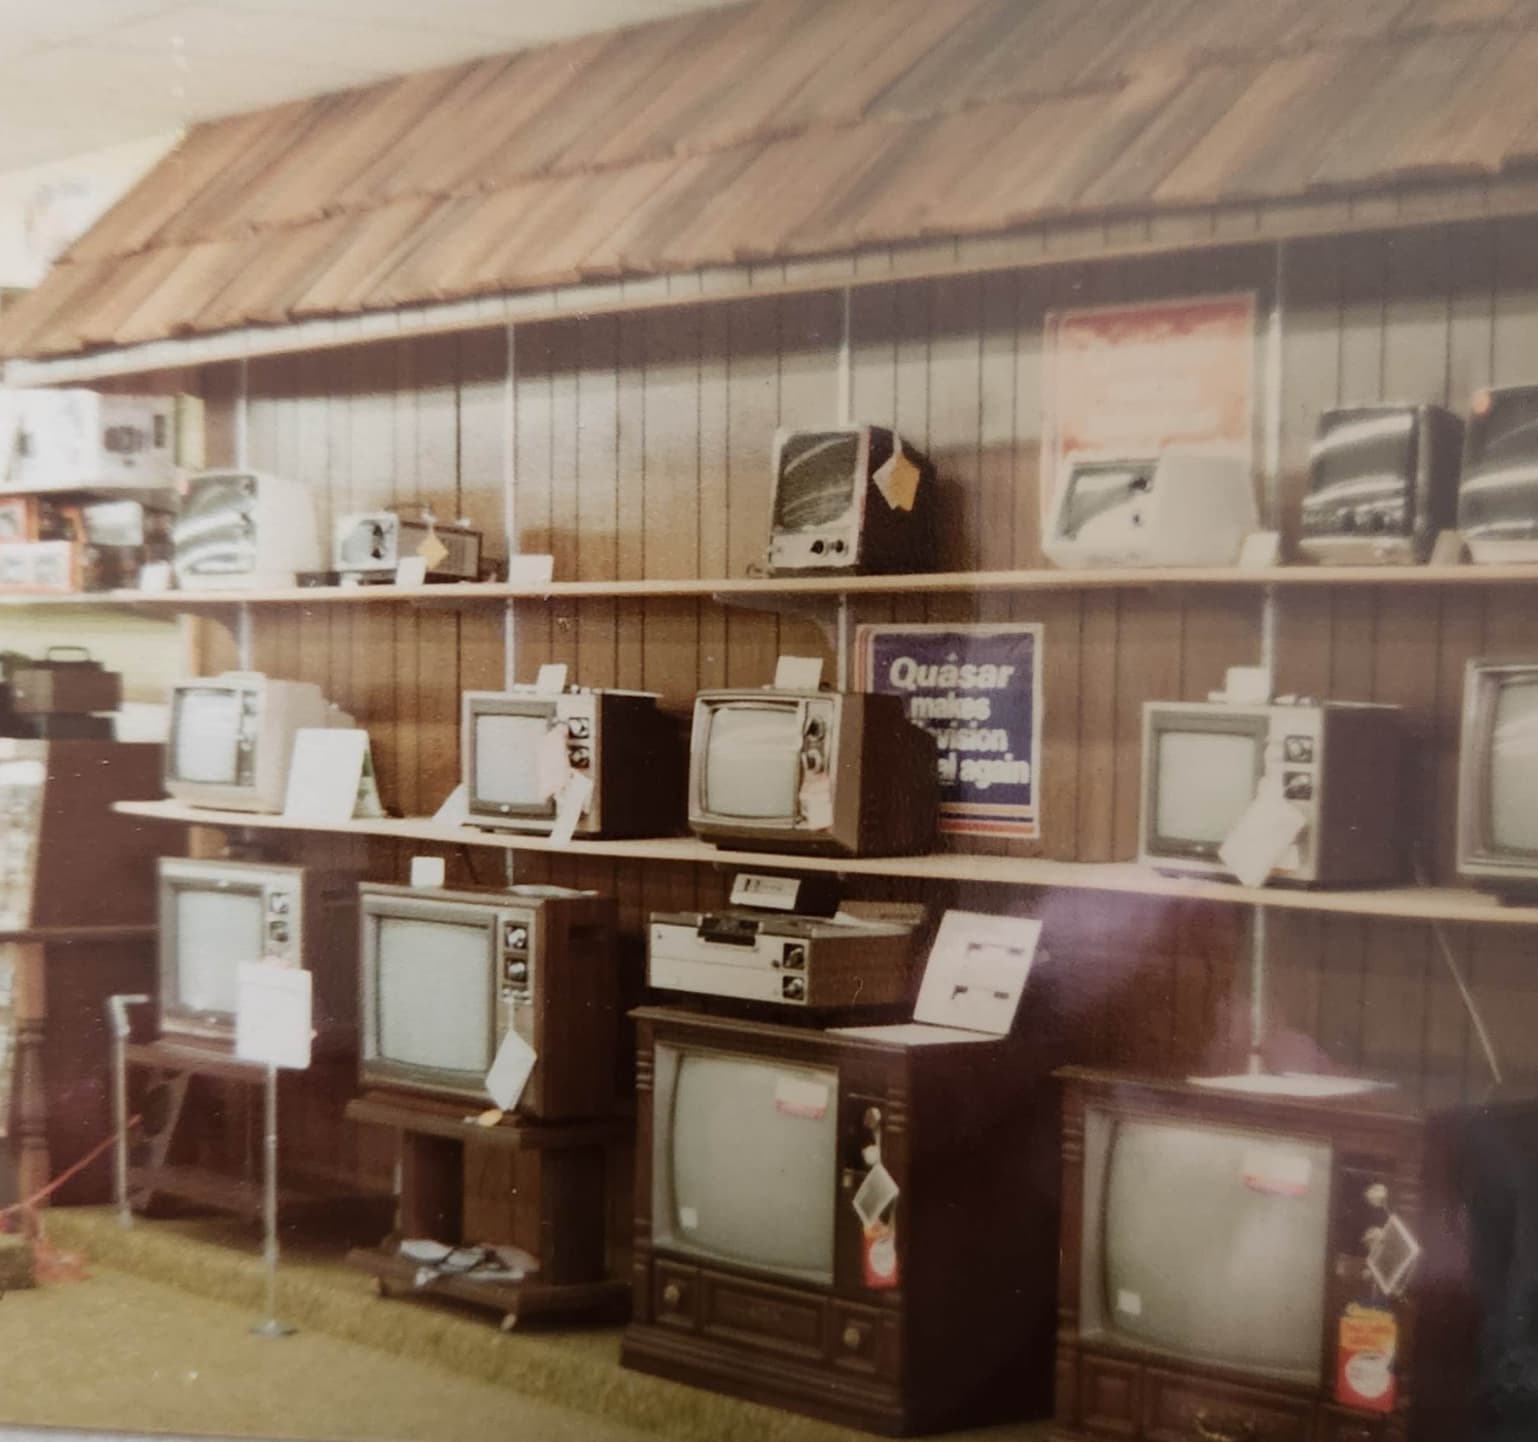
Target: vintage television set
<point x="754" y="1273"/>
<point x="447" y="973"/>
<point x="216" y="914"/>
<point x="1341" y="764"/>
<point x="851" y="499"/>
<point x="1382" y="484"/>
<point x="827" y="772"/>
<point x="629" y="748"/>
<point x="1497" y="845"/>
<point x="241" y="530"/>
<point x="1244" y="1265"/>
<point x="1498" y="490"/>
<point x="232" y="735"/>
<point x="367" y="546"/>
<point x="1179" y="508"/>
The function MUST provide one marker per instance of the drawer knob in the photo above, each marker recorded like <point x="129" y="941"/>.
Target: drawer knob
<point x="672" y="1294"/>
<point x="1209" y="1430"/>
<point x="853" y="1336"/>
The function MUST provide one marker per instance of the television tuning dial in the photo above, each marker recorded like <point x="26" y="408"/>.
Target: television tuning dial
<point x="517" y="972"/>
<point x="516" y="937"/>
<point x="579" y="728"/>
<point x="794" y="958"/>
<point x="793" y="988"/>
<point x="1376" y="1196"/>
<point x="579" y="756"/>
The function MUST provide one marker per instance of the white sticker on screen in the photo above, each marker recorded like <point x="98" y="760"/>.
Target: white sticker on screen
<point x="877" y="1192"/>
<point x="799" y="1097"/>
<point x="1129" y="1304"/>
<point x="1279" y="1173"/>
<point x="688" y="1219"/>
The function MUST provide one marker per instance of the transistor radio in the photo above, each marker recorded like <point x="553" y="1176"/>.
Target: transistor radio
<point x="1183" y="508"/>
<point x="369" y="545"/>
<point x="1382" y="484"/>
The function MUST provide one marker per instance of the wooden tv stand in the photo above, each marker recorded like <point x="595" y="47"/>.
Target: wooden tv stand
<point x="551" y="1195"/>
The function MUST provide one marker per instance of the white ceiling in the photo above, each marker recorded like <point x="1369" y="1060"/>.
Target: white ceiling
<point x="77" y="75"/>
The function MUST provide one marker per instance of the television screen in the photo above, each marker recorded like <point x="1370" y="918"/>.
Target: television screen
<point x="818" y="471"/>
<point x="215" y="930"/>
<point x="205" y="736"/>
<point x="1215" y="1245"/>
<point x="434" y="994"/>
<point x="1205" y="779"/>
<point x="753" y="761"/>
<point x="507" y="750"/>
<point x="1513" y="766"/>
<point x="754" y="1152"/>
<point x="1370" y="454"/>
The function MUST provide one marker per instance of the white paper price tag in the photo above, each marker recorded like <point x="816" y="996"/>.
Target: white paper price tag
<point x="1261" y="837"/>
<point x="798" y="673"/>
<point x="551" y="677"/>
<point x="877" y="1192"/>
<point x="273" y="1010"/>
<point x="571" y="803"/>
<point x="510" y="1070"/>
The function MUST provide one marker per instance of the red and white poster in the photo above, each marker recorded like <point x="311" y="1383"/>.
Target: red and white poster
<point x="1128" y="381"/>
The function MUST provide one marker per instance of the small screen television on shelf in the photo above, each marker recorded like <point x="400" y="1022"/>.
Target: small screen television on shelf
<point x="630" y="750"/>
<point x="1382" y="483"/>
<point x="755" y="1272"/>
<point x="1338" y="763"/>
<point x="447" y="973"/>
<point x="1291" y="1265"/>
<point x="851" y="499"/>
<point x="242" y="530"/>
<point x="1180" y="508"/>
<point x="832" y="773"/>
<point x="232" y="736"/>
<point x="1498" y="491"/>
<point x="1498" y="776"/>
<point x="216" y="914"/>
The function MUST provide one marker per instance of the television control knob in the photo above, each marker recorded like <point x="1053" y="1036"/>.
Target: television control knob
<point x="838" y="548"/>
<point x="852" y="1338"/>
<point x="816" y="728"/>
<point x="795" y="957"/>
<point x="814" y="759"/>
<point x="872" y="1119"/>
<point x="817" y="548"/>
<point x="516" y="938"/>
<point x="278" y="931"/>
<point x="672" y="1294"/>
<point x="518" y="972"/>
<point x="578" y="728"/>
<point x="1377" y="1196"/>
<point x="793" y="988"/>
<point x="579" y="756"/>
<point x="278" y="905"/>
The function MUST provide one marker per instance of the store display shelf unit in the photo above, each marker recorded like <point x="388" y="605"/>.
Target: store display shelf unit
<point x="469" y="594"/>
<point x="1401" y="903"/>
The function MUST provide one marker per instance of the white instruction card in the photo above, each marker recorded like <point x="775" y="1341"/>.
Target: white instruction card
<point x="1261" y="837"/>
<point x="976" y="972"/>
<point x="798" y="673"/>
<point x="325" y="774"/>
<point x="551" y="677"/>
<point x="273" y="1014"/>
<point x="571" y="803"/>
<point x="510" y="1070"/>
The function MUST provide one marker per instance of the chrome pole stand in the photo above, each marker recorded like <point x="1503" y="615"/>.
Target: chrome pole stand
<point x="272" y="1327"/>
<point x="117" y="1015"/>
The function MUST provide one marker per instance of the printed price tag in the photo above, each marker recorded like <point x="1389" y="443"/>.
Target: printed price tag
<point x="898" y="480"/>
<point x="878" y="1260"/>
<point x="510" y="1070"/>
<point x="1364" y="1373"/>
<point x="877" y="1192"/>
<point x="1261" y="837"/>
<point x="571" y="803"/>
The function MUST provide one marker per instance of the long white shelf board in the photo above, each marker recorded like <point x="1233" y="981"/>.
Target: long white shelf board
<point x="1407" y="903"/>
<point x="481" y="593"/>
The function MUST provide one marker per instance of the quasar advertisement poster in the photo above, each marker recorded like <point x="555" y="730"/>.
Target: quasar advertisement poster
<point x="977" y="691"/>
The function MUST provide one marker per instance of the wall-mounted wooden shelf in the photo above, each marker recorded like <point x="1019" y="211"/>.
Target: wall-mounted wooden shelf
<point x="1406" y="903"/>
<point x="485" y="593"/>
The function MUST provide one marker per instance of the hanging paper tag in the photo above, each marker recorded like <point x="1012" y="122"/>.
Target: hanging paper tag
<point x="411" y="571"/>
<point x="1261" y="837"/>
<point x="898" y="480"/>
<point x="877" y="1192"/>
<point x="455" y="810"/>
<point x="553" y="764"/>
<point x="1364" y="1374"/>
<point x="878" y="1256"/>
<point x="817" y="801"/>
<point x="432" y="550"/>
<point x="273" y="1014"/>
<point x="509" y="1073"/>
<point x="571" y="803"/>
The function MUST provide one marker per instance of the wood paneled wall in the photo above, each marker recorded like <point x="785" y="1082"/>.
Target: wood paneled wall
<point x="638" y="446"/>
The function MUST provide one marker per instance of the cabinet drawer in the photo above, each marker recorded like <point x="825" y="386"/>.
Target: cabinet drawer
<point x="773" y="1318"/>
<point x="1189" y="1409"/>
<point x="675" y="1295"/>
<point x="864" y="1340"/>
